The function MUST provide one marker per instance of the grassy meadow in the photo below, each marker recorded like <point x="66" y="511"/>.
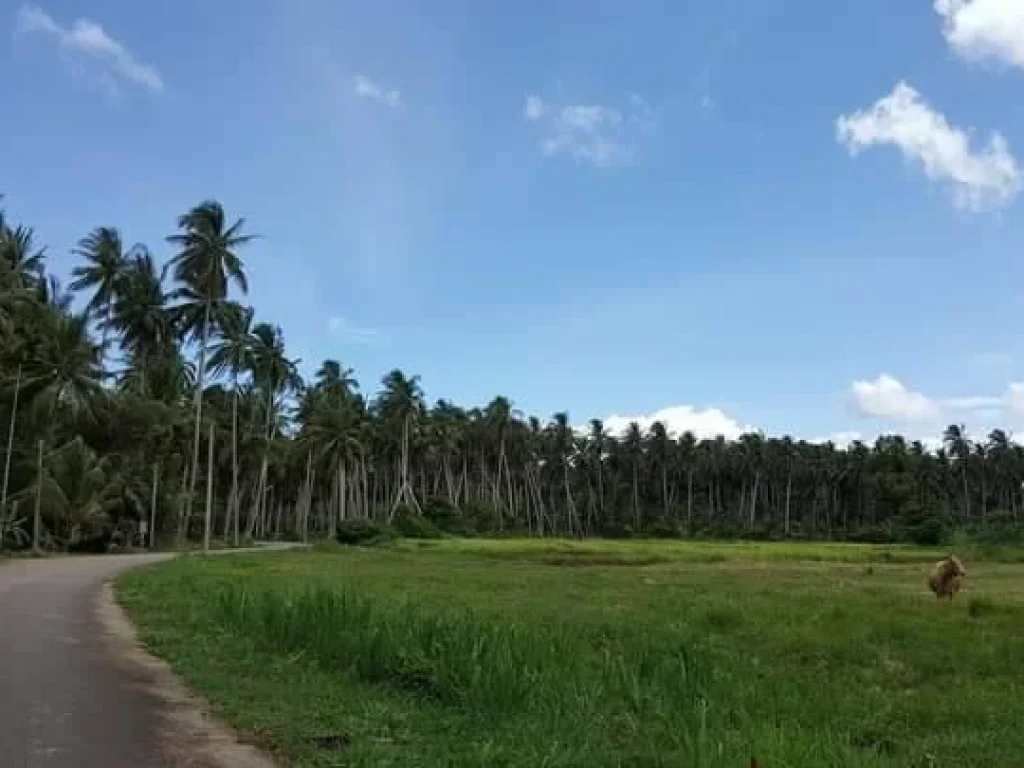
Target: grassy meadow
<point x="641" y="653"/>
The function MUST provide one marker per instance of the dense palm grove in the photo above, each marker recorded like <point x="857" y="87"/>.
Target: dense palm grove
<point x="150" y="404"/>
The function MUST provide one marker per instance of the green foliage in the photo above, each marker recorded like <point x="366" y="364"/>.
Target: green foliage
<point x="926" y="527"/>
<point x="410" y="525"/>
<point x="164" y="354"/>
<point x="363" y="533"/>
<point x="446" y="517"/>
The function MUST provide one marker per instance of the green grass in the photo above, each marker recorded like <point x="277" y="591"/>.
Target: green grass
<point x="526" y="653"/>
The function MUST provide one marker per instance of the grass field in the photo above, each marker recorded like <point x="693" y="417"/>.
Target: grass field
<point x="527" y="653"/>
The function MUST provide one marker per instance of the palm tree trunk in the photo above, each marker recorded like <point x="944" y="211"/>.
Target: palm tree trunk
<point x="689" y="496"/>
<point x="37" y="519"/>
<point x="10" y="444"/>
<point x="152" y="505"/>
<point x="789" y="495"/>
<point x="235" y="507"/>
<point x="664" y="491"/>
<point x="209" y="493"/>
<point x="342" y="493"/>
<point x="199" y="408"/>
<point x="967" y="496"/>
<point x="636" y="500"/>
<point x="753" y="498"/>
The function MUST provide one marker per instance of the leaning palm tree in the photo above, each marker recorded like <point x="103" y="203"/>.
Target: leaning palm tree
<point x="206" y="265"/>
<point x="104" y="264"/>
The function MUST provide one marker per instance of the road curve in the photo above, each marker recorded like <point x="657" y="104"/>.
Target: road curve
<point x="68" y="696"/>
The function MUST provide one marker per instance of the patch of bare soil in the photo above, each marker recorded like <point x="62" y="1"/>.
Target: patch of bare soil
<point x="190" y="735"/>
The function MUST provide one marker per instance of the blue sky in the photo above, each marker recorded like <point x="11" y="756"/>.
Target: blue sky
<point x="791" y="216"/>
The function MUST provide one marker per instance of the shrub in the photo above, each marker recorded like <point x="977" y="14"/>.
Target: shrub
<point x="922" y="526"/>
<point x="414" y="526"/>
<point x="446" y="517"/>
<point x="362" y="533"/>
<point x="663" y="530"/>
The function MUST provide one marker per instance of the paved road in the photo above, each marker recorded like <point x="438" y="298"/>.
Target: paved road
<point x="66" y="698"/>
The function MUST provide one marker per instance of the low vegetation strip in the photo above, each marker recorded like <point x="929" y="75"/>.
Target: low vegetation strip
<point x="444" y="654"/>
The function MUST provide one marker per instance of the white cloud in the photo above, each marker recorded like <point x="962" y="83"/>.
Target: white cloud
<point x="984" y="30"/>
<point x="365" y="88"/>
<point x="707" y="423"/>
<point x="981" y="178"/>
<point x="840" y="439"/>
<point x="1015" y="396"/>
<point x="535" y="108"/>
<point x="594" y="133"/>
<point x="887" y="398"/>
<point x="352" y="333"/>
<point x="86" y="39"/>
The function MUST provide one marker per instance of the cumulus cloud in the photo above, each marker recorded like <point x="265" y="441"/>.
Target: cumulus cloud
<point x="594" y="133"/>
<point x="86" y="40"/>
<point x="366" y="88"/>
<point x="984" y="30"/>
<point x="887" y="398"/>
<point x="352" y="333"/>
<point x="986" y="177"/>
<point x="706" y="423"/>
<point x="1015" y="395"/>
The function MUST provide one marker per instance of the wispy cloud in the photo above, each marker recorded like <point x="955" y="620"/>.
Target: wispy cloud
<point x="366" y="88"/>
<point x="595" y="134"/>
<point x="984" y="30"/>
<point x="85" y="40"/>
<point x="352" y="333"/>
<point x="981" y="178"/>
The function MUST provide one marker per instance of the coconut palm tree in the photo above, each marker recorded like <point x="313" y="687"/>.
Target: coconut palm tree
<point x="65" y="372"/>
<point x="400" y="404"/>
<point x="19" y="255"/>
<point x="275" y="375"/>
<point x="104" y="263"/>
<point x="206" y="265"/>
<point x="234" y="354"/>
<point x="141" y="316"/>
<point x="959" y="447"/>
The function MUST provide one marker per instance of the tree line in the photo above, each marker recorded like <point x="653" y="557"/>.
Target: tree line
<point x="158" y="406"/>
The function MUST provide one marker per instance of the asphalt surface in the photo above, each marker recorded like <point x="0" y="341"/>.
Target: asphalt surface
<point x="66" y="698"/>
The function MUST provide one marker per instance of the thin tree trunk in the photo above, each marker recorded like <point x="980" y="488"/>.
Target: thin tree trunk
<point x="201" y="374"/>
<point x="235" y="507"/>
<point x="689" y="496"/>
<point x="207" y="521"/>
<point x="967" y="496"/>
<point x="664" y="491"/>
<point x="753" y="498"/>
<point x="37" y="518"/>
<point x="789" y="494"/>
<point x="10" y="444"/>
<point x="343" y="493"/>
<point x="152" y="505"/>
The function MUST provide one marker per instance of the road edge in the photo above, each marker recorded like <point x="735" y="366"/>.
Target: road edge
<point x="190" y="734"/>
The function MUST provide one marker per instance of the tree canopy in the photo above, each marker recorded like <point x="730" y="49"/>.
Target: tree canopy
<point x="106" y="413"/>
